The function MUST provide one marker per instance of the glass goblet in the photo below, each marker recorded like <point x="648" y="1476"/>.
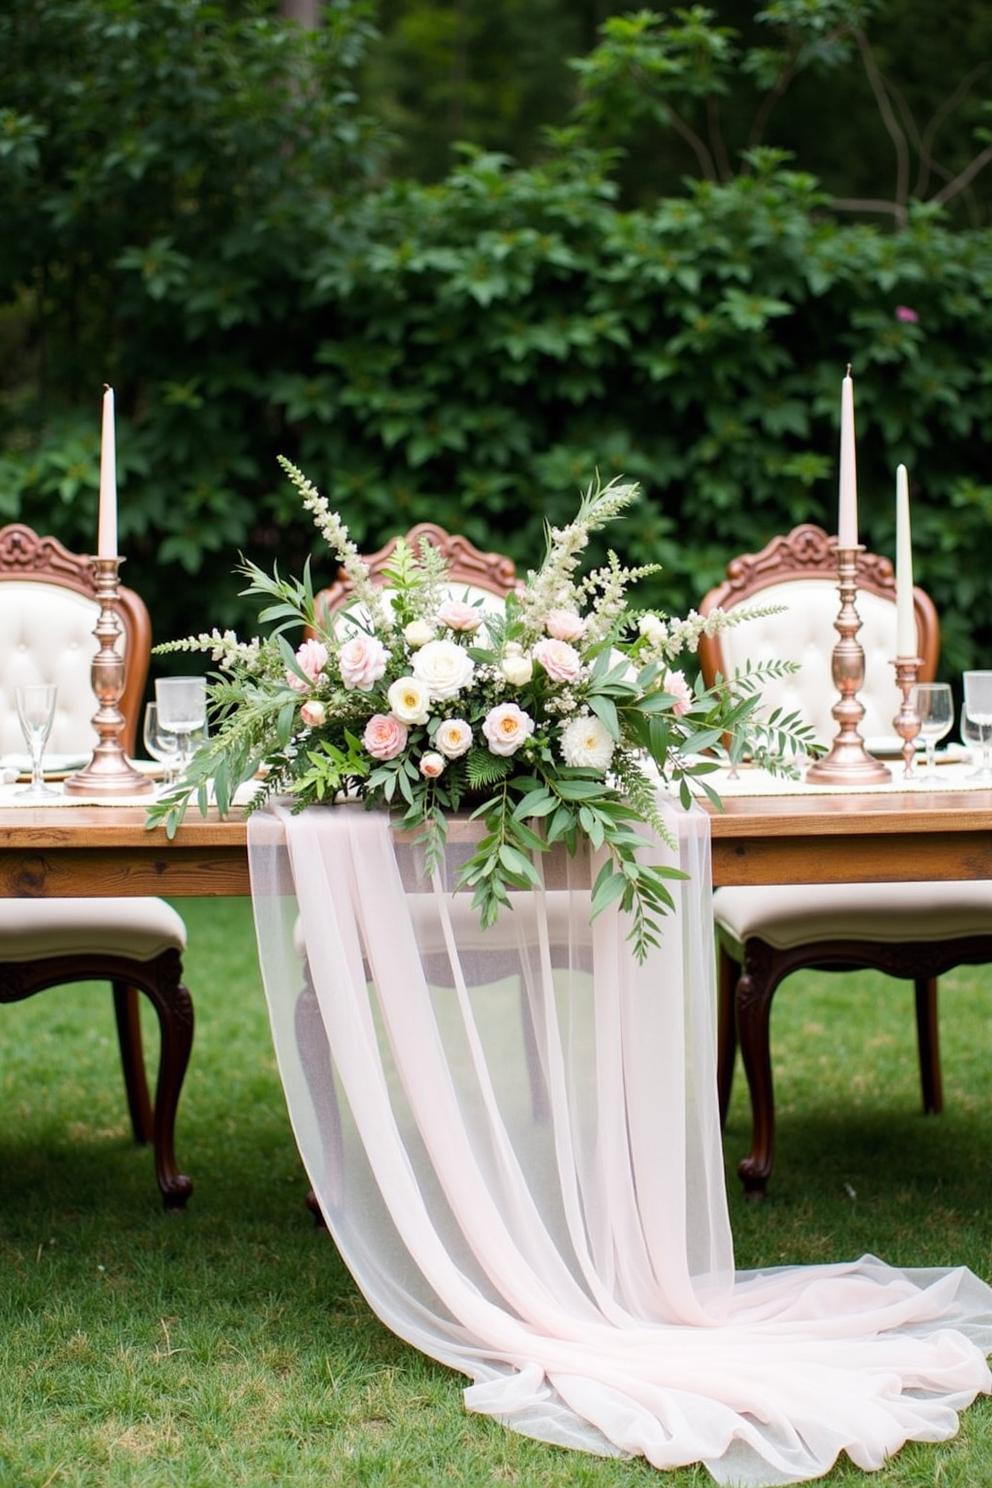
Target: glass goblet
<point x="971" y="738"/>
<point x="161" y="745"/>
<point x="934" y="705"/>
<point x="36" y="710"/>
<point x="182" y="710"/>
<point x="978" y="706"/>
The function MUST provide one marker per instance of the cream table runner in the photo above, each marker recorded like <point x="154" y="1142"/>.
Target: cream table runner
<point x="514" y="1138"/>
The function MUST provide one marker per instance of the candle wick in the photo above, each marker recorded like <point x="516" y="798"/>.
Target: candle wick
<point x="106" y="387"/>
<point x="848" y="369"/>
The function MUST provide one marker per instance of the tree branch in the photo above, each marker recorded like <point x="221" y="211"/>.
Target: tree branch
<point x="760" y="122"/>
<point x="695" y="143"/>
<point x="890" y="121"/>
<point x="963" y="178"/>
<point x="930" y="133"/>
<point x="715" y="133"/>
<point x="868" y="204"/>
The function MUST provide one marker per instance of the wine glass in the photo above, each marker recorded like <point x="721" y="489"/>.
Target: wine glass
<point x="161" y="745"/>
<point x="36" y="710"/>
<point x="933" y="704"/>
<point x="978" y="706"/>
<point x="182" y="710"/>
<point x="971" y="738"/>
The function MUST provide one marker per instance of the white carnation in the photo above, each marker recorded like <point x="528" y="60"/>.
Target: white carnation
<point x="586" y="743"/>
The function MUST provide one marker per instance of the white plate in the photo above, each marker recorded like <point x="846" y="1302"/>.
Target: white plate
<point x="889" y="746"/>
<point x="52" y="764"/>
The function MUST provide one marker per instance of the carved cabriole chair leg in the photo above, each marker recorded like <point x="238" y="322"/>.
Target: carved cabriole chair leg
<point x="760" y="975"/>
<point x="928" y="1038"/>
<point x="160" y="981"/>
<point x="728" y="972"/>
<point x="128" y="1017"/>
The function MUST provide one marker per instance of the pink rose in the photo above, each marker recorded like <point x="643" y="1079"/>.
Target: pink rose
<point x="678" y="687"/>
<point x="564" y="625"/>
<point x="384" y="736"/>
<point x="311" y="659"/>
<point x="506" y="727"/>
<point x="362" y="661"/>
<point x="560" y="660"/>
<point x="459" y="616"/>
<point x="313" y="713"/>
<point x="432" y="765"/>
<point x="906" y="315"/>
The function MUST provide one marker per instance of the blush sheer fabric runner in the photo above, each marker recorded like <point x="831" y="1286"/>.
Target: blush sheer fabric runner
<point x="513" y="1135"/>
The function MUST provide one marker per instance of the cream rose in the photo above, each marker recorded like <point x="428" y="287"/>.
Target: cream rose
<point x="586" y="743"/>
<point x="444" y="668"/>
<point x="311" y="658"/>
<point x="409" y="700"/>
<point x="564" y="625"/>
<point x="453" y="737"/>
<point x="517" y="670"/>
<point x="506" y="727"/>
<point x="384" y="737"/>
<point x="457" y="615"/>
<point x="560" y="660"/>
<point x="361" y="662"/>
<point x="418" y="633"/>
<point x="432" y="765"/>
<point x="313" y="713"/>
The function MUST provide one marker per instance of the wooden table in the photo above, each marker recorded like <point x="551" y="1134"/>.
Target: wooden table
<point x="99" y="850"/>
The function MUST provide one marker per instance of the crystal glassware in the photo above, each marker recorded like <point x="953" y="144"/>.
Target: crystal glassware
<point x="36" y="710"/>
<point x="161" y="745"/>
<point x="971" y="738"/>
<point x="933" y="704"/>
<point x="978" y="707"/>
<point x="182" y="710"/>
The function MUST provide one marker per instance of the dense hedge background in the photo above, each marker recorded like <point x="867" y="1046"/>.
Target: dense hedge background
<point x="198" y="209"/>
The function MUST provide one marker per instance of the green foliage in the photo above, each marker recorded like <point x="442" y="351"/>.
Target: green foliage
<point x="192" y="212"/>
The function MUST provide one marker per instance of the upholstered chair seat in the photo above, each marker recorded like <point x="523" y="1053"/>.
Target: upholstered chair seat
<point x="138" y="929"/>
<point x="48" y="611"/>
<point x="914" y="931"/>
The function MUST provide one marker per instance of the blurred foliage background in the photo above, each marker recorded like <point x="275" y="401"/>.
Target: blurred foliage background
<point x="452" y="257"/>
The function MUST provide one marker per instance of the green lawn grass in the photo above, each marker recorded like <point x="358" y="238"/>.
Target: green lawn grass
<point x="228" y="1346"/>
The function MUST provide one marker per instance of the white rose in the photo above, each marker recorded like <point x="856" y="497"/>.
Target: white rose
<point x="418" y="633"/>
<point x="444" y="668"/>
<point x="453" y="737"/>
<point x="506" y="727"/>
<point x="517" y="669"/>
<point x="409" y="700"/>
<point x="586" y="743"/>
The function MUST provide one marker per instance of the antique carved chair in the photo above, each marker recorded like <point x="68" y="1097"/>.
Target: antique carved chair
<point x="914" y="931"/>
<point x="47" y="614"/>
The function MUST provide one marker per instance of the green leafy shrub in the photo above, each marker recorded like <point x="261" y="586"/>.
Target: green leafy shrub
<point x="198" y="219"/>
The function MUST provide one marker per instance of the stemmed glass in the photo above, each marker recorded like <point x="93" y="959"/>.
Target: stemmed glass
<point x="182" y="710"/>
<point x="161" y="745"/>
<point x="978" y="707"/>
<point x="934" y="705"/>
<point x="36" y="710"/>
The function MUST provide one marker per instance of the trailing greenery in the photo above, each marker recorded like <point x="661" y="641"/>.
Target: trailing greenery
<point x="199" y="219"/>
<point x="227" y="1347"/>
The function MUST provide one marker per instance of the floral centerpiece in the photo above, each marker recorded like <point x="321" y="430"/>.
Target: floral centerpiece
<point x="557" y="719"/>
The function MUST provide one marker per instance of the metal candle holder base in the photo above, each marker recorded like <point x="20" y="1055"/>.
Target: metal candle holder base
<point x="108" y="772"/>
<point x="907" y="722"/>
<point x="848" y="761"/>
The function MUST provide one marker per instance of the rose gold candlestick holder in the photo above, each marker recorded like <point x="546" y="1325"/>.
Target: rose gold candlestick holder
<point x="108" y="772"/>
<point x="848" y="761"/>
<point x="907" y="722"/>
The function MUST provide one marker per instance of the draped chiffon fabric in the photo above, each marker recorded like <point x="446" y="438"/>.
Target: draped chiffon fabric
<point x="514" y="1139"/>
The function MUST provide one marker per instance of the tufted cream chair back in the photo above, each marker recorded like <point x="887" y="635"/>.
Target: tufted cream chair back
<point x="47" y="616"/>
<point x="799" y="573"/>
